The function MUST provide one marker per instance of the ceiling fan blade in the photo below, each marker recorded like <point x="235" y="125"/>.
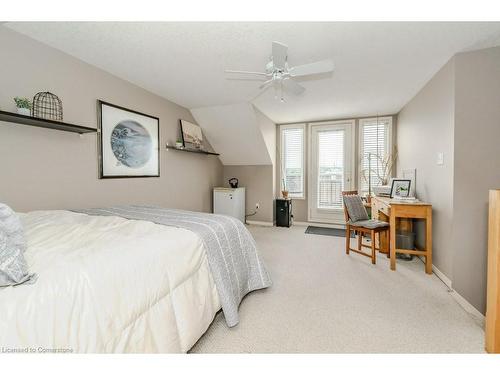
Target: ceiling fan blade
<point x="265" y="84"/>
<point x="262" y="89"/>
<point x="280" y="51"/>
<point x="246" y="72"/>
<point x="324" y="66"/>
<point x="292" y="86"/>
<point x="252" y="79"/>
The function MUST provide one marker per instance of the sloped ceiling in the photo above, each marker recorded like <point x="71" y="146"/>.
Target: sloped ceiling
<point x="380" y="66"/>
<point x="234" y="131"/>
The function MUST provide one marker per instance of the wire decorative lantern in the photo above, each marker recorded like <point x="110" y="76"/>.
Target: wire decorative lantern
<point x="48" y="106"/>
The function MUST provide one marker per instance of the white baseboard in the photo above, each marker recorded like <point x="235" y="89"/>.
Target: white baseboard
<point x="322" y="225"/>
<point x="261" y="223"/>
<point x="441" y="276"/>
<point x="471" y="310"/>
<point x="475" y="313"/>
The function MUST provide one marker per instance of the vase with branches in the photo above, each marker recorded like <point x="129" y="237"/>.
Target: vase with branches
<point x="379" y="166"/>
<point x="284" y="191"/>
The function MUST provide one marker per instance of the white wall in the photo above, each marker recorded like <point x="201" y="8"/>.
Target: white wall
<point x="234" y="132"/>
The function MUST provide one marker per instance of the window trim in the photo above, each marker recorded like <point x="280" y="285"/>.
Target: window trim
<point x="390" y="141"/>
<point x="304" y="153"/>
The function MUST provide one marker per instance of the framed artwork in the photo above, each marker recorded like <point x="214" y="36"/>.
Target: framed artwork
<point x="400" y="188"/>
<point x="129" y="143"/>
<point x="191" y="135"/>
<point x="410" y="174"/>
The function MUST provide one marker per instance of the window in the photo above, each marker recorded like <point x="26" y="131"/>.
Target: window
<point x="375" y="143"/>
<point x="292" y="160"/>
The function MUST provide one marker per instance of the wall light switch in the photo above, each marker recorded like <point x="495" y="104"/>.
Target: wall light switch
<point x="440" y="158"/>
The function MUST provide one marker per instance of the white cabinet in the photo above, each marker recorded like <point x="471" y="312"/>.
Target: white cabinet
<point x="231" y="202"/>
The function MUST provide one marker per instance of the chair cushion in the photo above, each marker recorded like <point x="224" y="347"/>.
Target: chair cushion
<point x="370" y="224"/>
<point x="355" y="208"/>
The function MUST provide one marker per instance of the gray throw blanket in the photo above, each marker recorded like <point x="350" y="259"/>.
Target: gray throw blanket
<point x="231" y="250"/>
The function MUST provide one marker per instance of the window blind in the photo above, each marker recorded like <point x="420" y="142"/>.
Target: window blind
<point x="292" y="161"/>
<point x="374" y="147"/>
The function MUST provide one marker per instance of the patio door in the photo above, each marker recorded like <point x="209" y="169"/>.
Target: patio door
<point x="331" y="170"/>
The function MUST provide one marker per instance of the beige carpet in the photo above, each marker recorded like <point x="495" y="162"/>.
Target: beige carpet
<point x="324" y="301"/>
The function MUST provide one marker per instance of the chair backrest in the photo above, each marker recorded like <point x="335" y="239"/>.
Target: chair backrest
<point x="354" y="209"/>
<point x="347" y="192"/>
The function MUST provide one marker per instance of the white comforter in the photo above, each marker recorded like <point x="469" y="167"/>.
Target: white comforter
<point x="107" y="284"/>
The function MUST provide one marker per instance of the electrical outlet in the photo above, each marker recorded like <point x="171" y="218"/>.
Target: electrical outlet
<point x="257" y="206"/>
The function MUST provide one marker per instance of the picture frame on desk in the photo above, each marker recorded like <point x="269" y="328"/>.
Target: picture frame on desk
<point x="410" y="174"/>
<point x="400" y="188"/>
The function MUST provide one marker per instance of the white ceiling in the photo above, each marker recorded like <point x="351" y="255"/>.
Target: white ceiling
<point x="379" y="66"/>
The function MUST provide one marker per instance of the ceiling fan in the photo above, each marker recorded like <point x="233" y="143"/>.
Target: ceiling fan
<point x="281" y="76"/>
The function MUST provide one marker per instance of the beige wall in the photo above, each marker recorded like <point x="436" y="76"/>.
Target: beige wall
<point x="48" y="169"/>
<point x="268" y="130"/>
<point x="457" y="113"/>
<point x="257" y="179"/>
<point x="425" y="128"/>
<point x="477" y="167"/>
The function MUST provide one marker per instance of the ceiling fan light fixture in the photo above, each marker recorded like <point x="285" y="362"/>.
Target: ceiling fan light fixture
<point x="277" y="71"/>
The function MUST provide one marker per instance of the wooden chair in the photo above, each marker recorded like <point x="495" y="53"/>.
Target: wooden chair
<point x="362" y="228"/>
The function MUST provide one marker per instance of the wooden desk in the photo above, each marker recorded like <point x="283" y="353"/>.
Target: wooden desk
<point x="399" y="214"/>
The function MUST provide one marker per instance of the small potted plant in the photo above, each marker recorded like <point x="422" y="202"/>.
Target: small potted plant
<point x="179" y="144"/>
<point x="23" y="106"/>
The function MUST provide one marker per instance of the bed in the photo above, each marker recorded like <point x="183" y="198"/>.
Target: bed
<point x="110" y="283"/>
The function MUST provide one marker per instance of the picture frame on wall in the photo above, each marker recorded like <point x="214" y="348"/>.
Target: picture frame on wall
<point x="400" y="188"/>
<point x="129" y="142"/>
<point x="192" y="137"/>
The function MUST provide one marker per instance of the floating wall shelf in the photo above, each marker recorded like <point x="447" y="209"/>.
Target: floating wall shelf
<point x="44" y="123"/>
<point x="193" y="151"/>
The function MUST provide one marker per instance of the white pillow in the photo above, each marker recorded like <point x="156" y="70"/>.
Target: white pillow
<point x="13" y="267"/>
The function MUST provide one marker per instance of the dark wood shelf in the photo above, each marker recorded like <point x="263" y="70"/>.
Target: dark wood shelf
<point x="44" y="123"/>
<point x="193" y="151"/>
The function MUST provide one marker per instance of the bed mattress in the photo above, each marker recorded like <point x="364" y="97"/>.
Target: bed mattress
<point x="107" y="284"/>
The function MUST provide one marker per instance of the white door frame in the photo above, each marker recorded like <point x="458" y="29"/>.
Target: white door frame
<point x="350" y="137"/>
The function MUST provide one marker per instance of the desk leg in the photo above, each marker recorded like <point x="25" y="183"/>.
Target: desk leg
<point x="392" y="239"/>
<point x="383" y="237"/>
<point x="428" y="243"/>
